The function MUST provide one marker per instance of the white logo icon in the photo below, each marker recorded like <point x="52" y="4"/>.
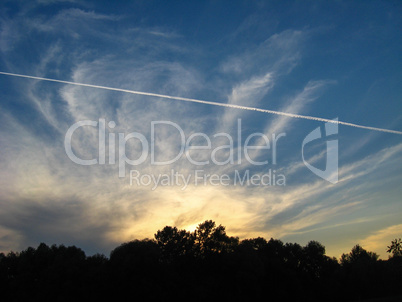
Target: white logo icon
<point x="331" y="169"/>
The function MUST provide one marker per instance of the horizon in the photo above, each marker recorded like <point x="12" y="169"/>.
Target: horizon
<point x="192" y="230"/>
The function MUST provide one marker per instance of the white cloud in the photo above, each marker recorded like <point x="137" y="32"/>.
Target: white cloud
<point x="280" y="53"/>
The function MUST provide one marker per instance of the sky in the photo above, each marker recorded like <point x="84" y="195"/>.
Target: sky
<point x="95" y="167"/>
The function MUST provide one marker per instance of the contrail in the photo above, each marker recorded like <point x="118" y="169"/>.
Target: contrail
<point x="319" y="119"/>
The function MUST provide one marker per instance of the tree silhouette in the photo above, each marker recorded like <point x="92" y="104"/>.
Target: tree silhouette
<point x="358" y="254"/>
<point x="360" y="272"/>
<point x="211" y="239"/>
<point x="174" y="243"/>
<point x="395" y="248"/>
<point x="135" y="265"/>
<point x="206" y="264"/>
<point x="314" y="259"/>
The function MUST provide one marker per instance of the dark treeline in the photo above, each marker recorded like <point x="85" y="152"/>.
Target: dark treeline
<point x="204" y="265"/>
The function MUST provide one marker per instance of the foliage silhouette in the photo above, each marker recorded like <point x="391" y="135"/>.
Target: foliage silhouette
<point x="395" y="248"/>
<point x="174" y="243"/>
<point x="206" y="264"/>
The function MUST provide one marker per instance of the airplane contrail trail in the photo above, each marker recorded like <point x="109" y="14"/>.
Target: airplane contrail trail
<point x="319" y="119"/>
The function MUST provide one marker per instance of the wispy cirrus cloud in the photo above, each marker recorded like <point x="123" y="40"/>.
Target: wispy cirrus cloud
<point x="298" y="104"/>
<point x="279" y="53"/>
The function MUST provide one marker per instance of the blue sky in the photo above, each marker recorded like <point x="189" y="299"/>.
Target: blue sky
<point x="328" y="59"/>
